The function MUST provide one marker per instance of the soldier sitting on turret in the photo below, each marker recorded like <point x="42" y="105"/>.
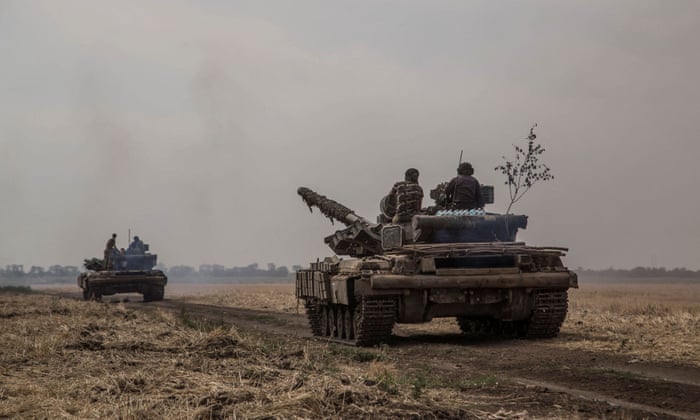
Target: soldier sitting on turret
<point x="406" y="196"/>
<point x="464" y="191"/>
<point x="137" y="247"/>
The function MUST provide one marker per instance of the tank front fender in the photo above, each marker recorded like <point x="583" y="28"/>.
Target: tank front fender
<point x="363" y="287"/>
<point x="559" y="280"/>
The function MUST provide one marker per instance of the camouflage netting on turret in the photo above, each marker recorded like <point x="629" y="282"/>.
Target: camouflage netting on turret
<point x="331" y="209"/>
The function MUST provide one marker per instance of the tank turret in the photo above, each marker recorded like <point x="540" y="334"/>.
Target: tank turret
<point x="431" y="225"/>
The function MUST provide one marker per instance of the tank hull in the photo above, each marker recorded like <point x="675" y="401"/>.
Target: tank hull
<point x="523" y="293"/>
<point x="150" y="283"/>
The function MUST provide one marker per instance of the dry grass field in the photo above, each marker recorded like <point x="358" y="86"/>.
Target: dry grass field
<point x="647" y="322"/>
<point x="66" y="358"/>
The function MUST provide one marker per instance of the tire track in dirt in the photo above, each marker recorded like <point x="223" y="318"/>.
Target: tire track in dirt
<point x="593" y="396"/>
<point x="534" y="368"/>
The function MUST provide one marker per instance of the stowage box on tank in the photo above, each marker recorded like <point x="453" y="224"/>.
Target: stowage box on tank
<point x="436" y="263"/>
<point x="131" y="272"/>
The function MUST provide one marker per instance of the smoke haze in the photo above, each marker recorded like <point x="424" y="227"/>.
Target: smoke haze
<point x="193" y="123"/>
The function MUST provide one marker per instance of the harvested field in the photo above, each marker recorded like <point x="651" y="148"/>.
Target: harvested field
<point x="67" y="358"/>
<point x="645" y="322"/>
<point x="243" y="351"/>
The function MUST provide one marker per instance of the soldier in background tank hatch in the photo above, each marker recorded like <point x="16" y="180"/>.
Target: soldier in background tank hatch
<point x="407" y="196"/>
<point x="136" y="247"/>
<point x="110" y="247"/>
<point x="464" y="191"/>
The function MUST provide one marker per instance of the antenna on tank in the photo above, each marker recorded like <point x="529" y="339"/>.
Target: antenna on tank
<point x="129" y="236"/>
<point x="461" y="152"/>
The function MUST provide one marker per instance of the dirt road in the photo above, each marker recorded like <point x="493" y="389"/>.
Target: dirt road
<point x="543" y="373"/>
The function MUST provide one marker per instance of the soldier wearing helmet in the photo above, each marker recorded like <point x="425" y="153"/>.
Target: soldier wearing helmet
<point x="406" y="196"/>
<point x="136" y="247"/>
<point x="464" y="191"/>
<point x="411" y="175"/>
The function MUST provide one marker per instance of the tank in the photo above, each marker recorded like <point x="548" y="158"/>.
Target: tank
<point x="130" y="272"/>
<point x="435" y="262"/>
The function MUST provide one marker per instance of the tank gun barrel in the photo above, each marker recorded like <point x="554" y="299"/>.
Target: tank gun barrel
<point x="330" y="208"/>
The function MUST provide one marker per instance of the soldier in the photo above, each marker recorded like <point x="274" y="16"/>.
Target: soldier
<point x="109" y="247"/>
<point x="137" y="246"/>
<point x="407" y="196"/>
<point x="464" y="191"/>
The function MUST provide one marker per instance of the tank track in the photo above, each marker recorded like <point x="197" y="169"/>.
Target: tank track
<point x="368" y="323"/>
<point x="313" y="313"/>
<point x="549" y="311"/>
<point x="374" y="320"/>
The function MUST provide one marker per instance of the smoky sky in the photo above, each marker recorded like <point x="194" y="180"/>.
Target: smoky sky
<point x="192" y="124"/>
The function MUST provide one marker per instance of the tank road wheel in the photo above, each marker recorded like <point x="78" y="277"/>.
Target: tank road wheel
<point x="325" y="322"/>
<point x="549" y="312"/>
<point x="86" y="294"/>
<point x="357" y="320"/>
<point x="333" y="320"/>
<point x="348" y="324"/>
<point x="340" y="321"/>
<point x="313" y="314"/>
<point x="374" y="319"/>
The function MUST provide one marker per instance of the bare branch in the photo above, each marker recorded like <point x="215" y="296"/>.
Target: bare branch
<point x="524" y="170"/>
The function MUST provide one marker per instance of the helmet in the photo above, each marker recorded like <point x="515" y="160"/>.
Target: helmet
<point x="412" y="174"/>
<point x="465" y="168"/>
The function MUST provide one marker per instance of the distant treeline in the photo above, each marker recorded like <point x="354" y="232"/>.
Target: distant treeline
<point x="17" y="271"/>
<point x="642" y="272"/>
<point x="216" y="270"/>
